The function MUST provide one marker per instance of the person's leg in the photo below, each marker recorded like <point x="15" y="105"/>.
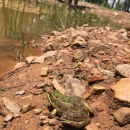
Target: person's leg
<point x="69" y="2"/>
<point x="75" y="3"/>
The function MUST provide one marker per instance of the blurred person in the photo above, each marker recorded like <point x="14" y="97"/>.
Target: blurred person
<point x="75" y="3"/>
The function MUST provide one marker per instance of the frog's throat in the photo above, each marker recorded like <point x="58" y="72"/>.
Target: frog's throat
<point x="77" y="124"/>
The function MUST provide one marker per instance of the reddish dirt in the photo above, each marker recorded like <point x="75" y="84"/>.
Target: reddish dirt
<point x="27" y="78"/>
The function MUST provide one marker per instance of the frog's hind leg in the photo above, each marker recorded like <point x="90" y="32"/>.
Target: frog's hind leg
<point x="77" y="124"/>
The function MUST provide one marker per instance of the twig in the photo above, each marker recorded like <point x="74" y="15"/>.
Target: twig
<point x="3" y="114"/>
<point x="3" y="89"/>
<point x="11" y="72"/>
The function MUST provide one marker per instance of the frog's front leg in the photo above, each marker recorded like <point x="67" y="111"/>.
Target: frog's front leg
<point x="52" y="114"/>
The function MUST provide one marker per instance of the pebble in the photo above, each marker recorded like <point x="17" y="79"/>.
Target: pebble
<point x="58" y="86"/>
<point x="122" y="115"/>
<point x="53" y="121"/>
<point x="19" y="65"/>
<point x="78" y="54"/>
<point x="41" y="85"/>
<point x="44" y="71"/>
<point x="122" y="90"/>
<point x="91" y="126"/>
<point x="9" y="117"/>
<point x="123" y="70"/>
<point x="43" y="117"/>
<point x="26" y="108"/>
<point x="74" y="86"/>
<point x="26" y="121"/>
<point x="11" y="106"/>
<point x="20" y="92"/>
<point x="94" y="89"/>
<point x="98" y="45"/>
<point x="37" y="111"/>
<point x="47" y="128"/>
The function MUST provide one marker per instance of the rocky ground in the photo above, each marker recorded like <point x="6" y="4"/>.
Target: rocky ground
<point x="91" y="62"/>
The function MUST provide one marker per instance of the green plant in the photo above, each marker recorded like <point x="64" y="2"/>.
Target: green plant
<point x="23" y="43"/>
<point x="13" y="18"/>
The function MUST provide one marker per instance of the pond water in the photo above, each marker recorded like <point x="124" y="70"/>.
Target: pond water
<point x="10" y="46"/>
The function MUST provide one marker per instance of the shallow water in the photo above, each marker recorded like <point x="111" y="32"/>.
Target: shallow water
<point x="8" y="51"/>
<point x="10" y="47"/>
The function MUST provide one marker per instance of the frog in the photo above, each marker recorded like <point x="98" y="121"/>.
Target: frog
<point x="71" y="109"/>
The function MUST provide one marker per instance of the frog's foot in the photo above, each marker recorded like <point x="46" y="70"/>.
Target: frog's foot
<point x="52" y="114"/>
<point x="78" y="124"/>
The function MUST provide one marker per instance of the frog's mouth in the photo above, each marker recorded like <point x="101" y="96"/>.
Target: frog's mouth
<point x="49" y="97"/>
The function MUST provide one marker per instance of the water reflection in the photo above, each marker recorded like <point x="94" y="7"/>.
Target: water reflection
<point x="10" y="47"/>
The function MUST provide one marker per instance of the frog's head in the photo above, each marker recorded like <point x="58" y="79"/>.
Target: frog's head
<point x="53" y="96"/>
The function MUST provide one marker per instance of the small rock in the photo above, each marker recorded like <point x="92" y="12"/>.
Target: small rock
<point x="20" y="92"/>
<point x="9" y="117"/>
<point x="94" y="71"/>
<point x="107" y="72"/>
<point x="123" y="70"/>
<point x="47" y="128"/>
<point x="74" y="86"/>
<point x="91" y="126"/>
<point x="35" y="59"/>
<point x="26" y="108"/>
<point x="58" y="86"/>
<point x="29" y="96"/>
<point x="51" y="46"/>
<point x="98" y="45"/>
<point x="44" y="71"/>
<point x="43" y="117"/>
<point x="41" y="85"/>
<point x="37" y="91"/>
<point x="95" y="78"/>
<point x="4" y="124"/>
<point x="11" y="106"/>
<point x="126" y="49"/>
<point x="87" y="65"/>
<point x="112" y="36"/>
<point x="16" y="115"/>
<point x="58" y="62"/>
<point x="96" y="62"/>
<point x="50" y="54"/>
<point x="53" y="121"/>
<point x="122" y="90"/>
<point x="66" y="44"/>
<point x="94" y="89"/>
<point x="86" y="60"/>
<point x="37" y="111"/>
<point x="46" y="121"/>
<point x="29" y="59"/>
<point x="19" y="65"/>
<point x="122" y="115"/>
<point x="78" y="54"/>
<point x="26" y="121"/>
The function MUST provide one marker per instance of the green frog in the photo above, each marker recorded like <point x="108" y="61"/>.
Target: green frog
<point x="72" y="109"/>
